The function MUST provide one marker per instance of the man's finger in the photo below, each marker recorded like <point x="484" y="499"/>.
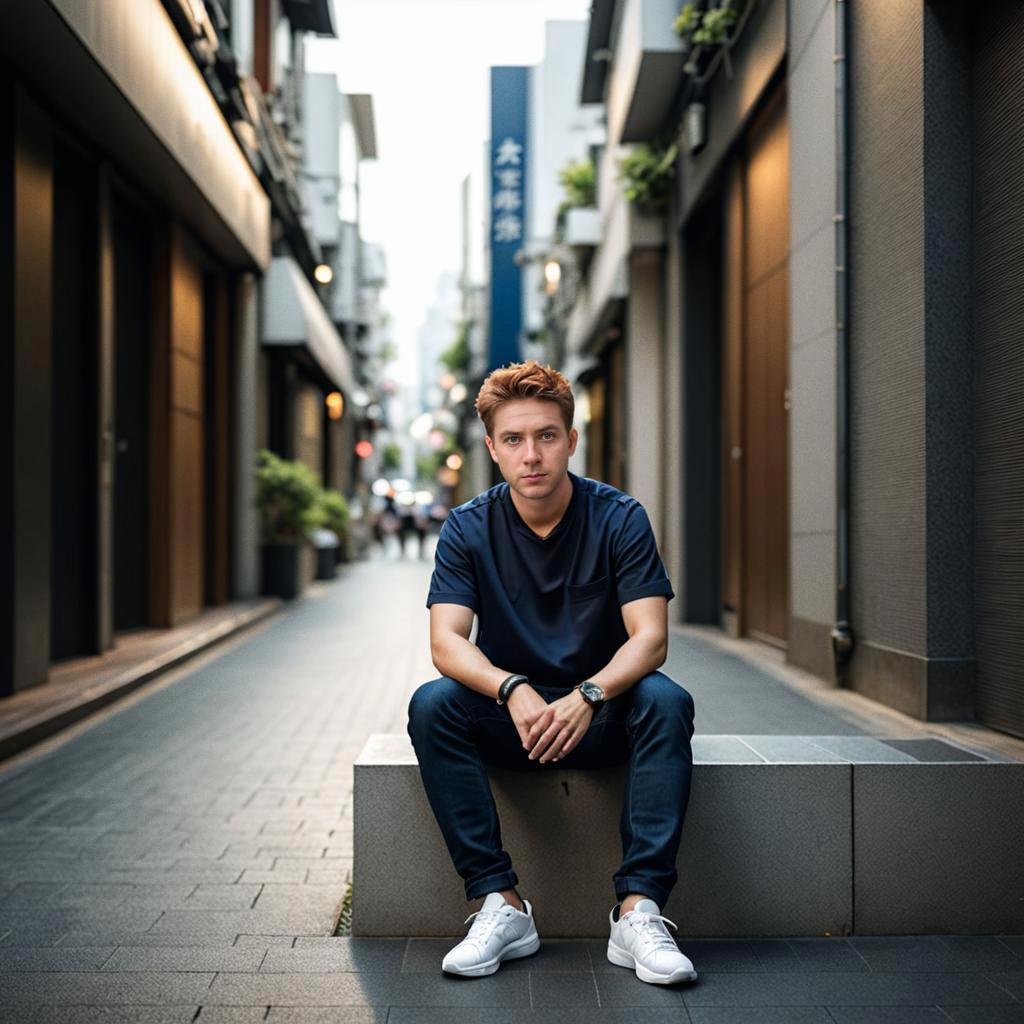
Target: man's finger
<point x="545" y="741"/>
<point x="570" y="743"/>
<point x="551" y="754"/>
<point x="540" y="724"/>
<point x="566" y="747"/>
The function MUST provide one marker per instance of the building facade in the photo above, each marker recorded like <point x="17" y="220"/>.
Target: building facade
<point x="805" y="364"/>
<point x="148" y="182"/>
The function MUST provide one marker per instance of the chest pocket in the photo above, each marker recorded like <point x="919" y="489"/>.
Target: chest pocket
<point x="586" y="591"/>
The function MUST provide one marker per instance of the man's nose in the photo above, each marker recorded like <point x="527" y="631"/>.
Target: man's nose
<point x="532" y="454"/>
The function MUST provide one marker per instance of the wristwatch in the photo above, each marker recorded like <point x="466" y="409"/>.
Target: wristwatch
<point x="591" y="693"/>
<point x="509" y="685"/>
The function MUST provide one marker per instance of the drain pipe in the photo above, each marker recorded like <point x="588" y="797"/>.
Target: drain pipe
<point x="842" y="635"/>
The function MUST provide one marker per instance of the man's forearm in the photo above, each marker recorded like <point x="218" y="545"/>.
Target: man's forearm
<point x="640" y="655"/>
<point x="461" y="660"/>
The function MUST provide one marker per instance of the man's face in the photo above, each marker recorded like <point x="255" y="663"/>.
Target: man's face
<point x="531" y="446"/>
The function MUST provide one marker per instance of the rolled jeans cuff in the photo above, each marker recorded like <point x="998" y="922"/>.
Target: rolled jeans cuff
<point x="492" y="883"/>
<point x="644" y="886"/>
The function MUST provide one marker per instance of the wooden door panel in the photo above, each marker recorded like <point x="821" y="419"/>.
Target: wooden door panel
<point x="765" y="376"/>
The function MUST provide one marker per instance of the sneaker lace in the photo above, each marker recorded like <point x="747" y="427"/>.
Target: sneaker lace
<point x="485" y="923"/>
<point x="651" y="927"/>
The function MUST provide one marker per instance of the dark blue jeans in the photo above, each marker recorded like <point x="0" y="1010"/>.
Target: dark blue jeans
<point x="457" y="731"/>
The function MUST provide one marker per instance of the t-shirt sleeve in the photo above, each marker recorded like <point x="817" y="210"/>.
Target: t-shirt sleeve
<point x="454" y="580"/>
<point x="639" y="570"/>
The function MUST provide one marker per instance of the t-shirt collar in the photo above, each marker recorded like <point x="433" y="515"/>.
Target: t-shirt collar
<point x="567" y="516"/>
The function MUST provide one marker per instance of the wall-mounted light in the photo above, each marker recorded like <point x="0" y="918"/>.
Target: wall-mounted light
<point x="364" y="449"/>
<point x="324" y="273"/>
<point x="454" y="461"/>
<point x="552" y="275"/>
<point x="335" y="403"/>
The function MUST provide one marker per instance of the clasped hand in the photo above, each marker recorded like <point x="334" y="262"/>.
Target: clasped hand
<point x="549" y="731"/>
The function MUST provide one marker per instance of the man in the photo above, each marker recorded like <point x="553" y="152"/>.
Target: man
<point x="571" y="596"/>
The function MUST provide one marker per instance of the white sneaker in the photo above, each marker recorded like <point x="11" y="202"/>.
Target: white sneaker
<point x="640" y="940"/>
<point x="500" y="932"/>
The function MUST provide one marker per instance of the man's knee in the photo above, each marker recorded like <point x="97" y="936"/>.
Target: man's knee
<point x="660" y="695"/>
<point x="430" y="699"/>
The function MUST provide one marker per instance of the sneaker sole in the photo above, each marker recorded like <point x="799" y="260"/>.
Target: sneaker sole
<point x="526" y="946"/>
<point x="621" y="958"/>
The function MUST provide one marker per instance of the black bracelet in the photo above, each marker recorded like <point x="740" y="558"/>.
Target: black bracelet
<point x="508" y="685"/>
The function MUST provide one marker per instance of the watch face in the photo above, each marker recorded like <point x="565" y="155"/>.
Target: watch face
<point x="592" y="692"/>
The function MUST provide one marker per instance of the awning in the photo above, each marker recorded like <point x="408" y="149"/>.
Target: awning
<point x="293" y="315"/>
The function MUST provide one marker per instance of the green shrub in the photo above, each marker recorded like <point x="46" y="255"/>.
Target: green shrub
<point x="286" y="497"/>
<point x="334" y="512"/>
<point x="688" y="21"/>
<point x="579" y="184"/>
<point x="648" y="172"/>
<point x="714" y="29"/>
<point x="696" y="26"/>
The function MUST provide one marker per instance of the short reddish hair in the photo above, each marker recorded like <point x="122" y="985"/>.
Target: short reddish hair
<point x="524" y="380"/>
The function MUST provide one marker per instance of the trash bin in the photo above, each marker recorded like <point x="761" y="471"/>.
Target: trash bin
<point x="326" y="543"/>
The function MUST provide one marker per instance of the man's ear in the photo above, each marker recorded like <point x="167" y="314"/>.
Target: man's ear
<point x="573" y="440"/>
<point x="490" y="447"/>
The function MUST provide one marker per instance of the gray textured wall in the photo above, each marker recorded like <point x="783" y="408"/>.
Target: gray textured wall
<point x="910" y="357"/>
<point x="812" y="338"/>
<point x="645" y="330"/>
<point x="887" y="325"/>
<point x="948" y="258"/>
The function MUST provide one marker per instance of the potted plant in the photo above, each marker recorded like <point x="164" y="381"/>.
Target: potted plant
<point x="707" y="29"/>
<point x="286" y="494"/>
<point x="648" y="172"/>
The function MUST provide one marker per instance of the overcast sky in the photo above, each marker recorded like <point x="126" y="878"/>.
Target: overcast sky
<point x="425" y="62"/>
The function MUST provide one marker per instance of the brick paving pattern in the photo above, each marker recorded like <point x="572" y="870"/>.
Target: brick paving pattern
<point x="184" y="858"/>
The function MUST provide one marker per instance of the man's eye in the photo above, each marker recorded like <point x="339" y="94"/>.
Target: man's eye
<point x="512" y="440"/>
<point x="548" y="436"/>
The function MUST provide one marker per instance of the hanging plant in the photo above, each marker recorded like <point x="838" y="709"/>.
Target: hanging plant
<point x="579" y="188"/>
<point x="708" y="28"/>
<point x="688" y="21"/>
<point x="579" y="183"/>
<point x="648" y="171"/>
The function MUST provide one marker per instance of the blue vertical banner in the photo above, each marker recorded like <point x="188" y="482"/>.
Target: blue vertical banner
<point x="507" y="210"/>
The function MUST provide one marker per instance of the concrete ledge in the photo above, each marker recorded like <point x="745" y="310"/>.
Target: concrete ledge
<point x="939" y="849"/>
<point x="782" y="835"/>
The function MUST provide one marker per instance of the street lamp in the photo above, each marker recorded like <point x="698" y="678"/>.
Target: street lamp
<point x="335" y="402"/>
<point x="324" y="273"/>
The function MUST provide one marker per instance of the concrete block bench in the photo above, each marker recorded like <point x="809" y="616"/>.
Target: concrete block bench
<point x="784" y="836"/>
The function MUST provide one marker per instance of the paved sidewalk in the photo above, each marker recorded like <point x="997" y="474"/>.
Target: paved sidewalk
<point x="184" y="855"/>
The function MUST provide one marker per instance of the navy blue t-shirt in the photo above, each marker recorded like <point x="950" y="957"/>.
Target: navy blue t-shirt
<point x="549" y="607"/>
